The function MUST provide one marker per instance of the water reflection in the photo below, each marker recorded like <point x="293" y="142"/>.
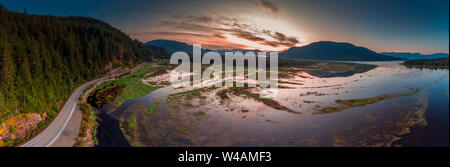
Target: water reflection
<point x="240" y="121"/>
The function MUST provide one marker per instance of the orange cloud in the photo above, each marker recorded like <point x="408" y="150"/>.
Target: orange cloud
<point x="219" y="32"/>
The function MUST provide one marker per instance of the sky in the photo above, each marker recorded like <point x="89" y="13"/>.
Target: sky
<point x="270" y="25"/>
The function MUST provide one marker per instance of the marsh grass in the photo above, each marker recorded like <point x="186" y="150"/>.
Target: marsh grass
<point x="151" y="110"/>
<point x="325" y="69"/>
<point x="196" y="93"/>
<point x="130" y="85"/>
<point x="243" y="91"/>
<point x="351" y="103"/>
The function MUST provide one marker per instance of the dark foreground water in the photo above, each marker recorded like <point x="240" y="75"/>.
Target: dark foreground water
<point x="437" y="115"/>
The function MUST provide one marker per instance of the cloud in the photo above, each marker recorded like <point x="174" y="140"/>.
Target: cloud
<point x="293" y="40"/>
<point x="219" y="36"/>
<point x="268" y="6"/>
<point x="201" y="19"/>
<point x="213" y="29"/>
<point x="223" y="45"/>
<point x="246" y="35"/>
<point x="280" y="36"/>
<point x="281" y="39"/>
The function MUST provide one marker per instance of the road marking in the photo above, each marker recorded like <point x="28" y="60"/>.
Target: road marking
<point x="47" y="137"/>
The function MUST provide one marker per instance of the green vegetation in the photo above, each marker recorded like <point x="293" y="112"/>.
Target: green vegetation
<point x="200" y="114"/>
<point x="152" y="83"/>
<point x="197" y="93"/>
<point x="151" y="109"/>
<point x="44" y="58"/>
<point x="106" y="95"/>
<point x="9" y="142"/>
<point x="323" y="69"/>
<point x="244" y="91"/>
<point x="130" y="131"/>
<point x="12" y="130"/>
<point x="126" y="88"/>
<point x="428" y="63"/>
<point x="134" y="88"/>
<point x="350" y="103"/>
<point x="132" y="124"/>
<point x="189" y="95"/>
<point x="88" y="125"/>
<point x="129" y="86"/>
<point x="288" y="82"/>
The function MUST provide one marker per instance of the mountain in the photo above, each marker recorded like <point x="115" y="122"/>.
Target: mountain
<point x="324" y="50"/>
<point x="159" y="52"/>
<point x="428" y="63"/>
<point x="175" y="46"/>
<point x="44" y="58"/>
<point x="328" y="50"/>
<point x="222" y="51"/>
<point x="414" y="56"/>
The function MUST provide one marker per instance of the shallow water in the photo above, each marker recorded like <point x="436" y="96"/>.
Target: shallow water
<point x="245" y="122"/>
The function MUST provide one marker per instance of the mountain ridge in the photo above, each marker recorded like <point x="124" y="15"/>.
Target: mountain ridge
<point x="330" y="50"/>
<point x="342" y="51"/>
<point x="415" y="55"/>
<point x="172" y="46"/>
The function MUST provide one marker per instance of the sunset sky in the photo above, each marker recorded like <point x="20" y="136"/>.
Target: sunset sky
<point x="398" y="25"/>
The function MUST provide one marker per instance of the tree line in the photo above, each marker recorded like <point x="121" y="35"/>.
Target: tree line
<point x="44" y="58"/>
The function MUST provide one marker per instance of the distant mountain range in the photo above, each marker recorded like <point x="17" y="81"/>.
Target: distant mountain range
<point x="175" y="46"/>
<point x="414" y="56"/>
<point x="328" y="50"/>
<point x="324" y="50"/>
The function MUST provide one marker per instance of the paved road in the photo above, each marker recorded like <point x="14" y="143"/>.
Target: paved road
<point x="55" y="129"/>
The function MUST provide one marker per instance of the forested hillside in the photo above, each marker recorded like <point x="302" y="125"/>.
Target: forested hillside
<point x="329" y="50"/>
<point x="44" y="58"/>
<point x="428" y="63"/>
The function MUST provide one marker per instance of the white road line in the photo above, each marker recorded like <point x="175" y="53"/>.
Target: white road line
<point x="54" y="130"/>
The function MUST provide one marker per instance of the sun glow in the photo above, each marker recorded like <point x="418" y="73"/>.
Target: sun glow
<point x="252" y="45"/>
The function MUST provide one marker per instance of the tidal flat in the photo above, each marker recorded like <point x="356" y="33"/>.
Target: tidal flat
<point x="318" y="104"/>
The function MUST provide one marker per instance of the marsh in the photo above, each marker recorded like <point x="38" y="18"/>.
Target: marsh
<point x="392" y="105"/>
